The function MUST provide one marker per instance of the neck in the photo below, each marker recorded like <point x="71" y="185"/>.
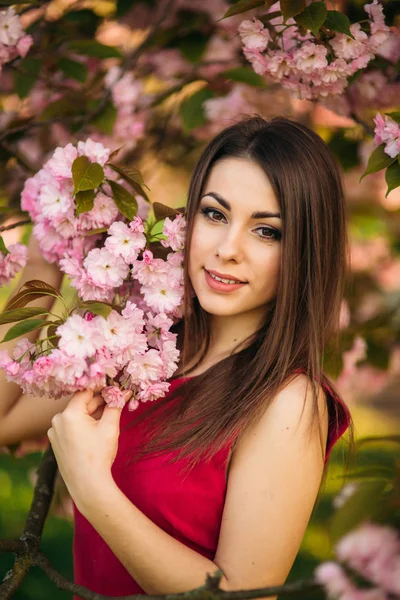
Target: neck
<point x="232" y="332"/>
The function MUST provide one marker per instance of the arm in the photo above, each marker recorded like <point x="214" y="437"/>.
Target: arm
<point x="23" y="417"/>
<point x="267" y="508"/>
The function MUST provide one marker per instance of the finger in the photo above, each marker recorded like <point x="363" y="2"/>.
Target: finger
<point x="80" y="400"/>
<point x="110" y="418"/>
<point x="98" y="413"/>
<point x="96" y="402"/>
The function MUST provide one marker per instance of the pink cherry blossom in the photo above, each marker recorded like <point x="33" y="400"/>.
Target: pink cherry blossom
<point x="55" y="199"/>
<point x="123" y="241"/>
<point x="151" y="391"/>
<point x="161" y="297"/>
<point x="254" y="35"/>
<point x="105" y="269"/>
<point x="12" y="263"/>
<point x="24" y="45"/>
<point x="174" y="230"/>
<point x="78" y="337"/>
<point x="60" y="164"/>
<point x="10" y="27"/>
<point x="387" y="132"/>
<point x="347" y="48"/>
<point x="309" y="58"/>
<point x="375" y="12"/>
<point x="149" y="270"/>
<point x="148" y="366"/>
<point x="374" y="551"/>
<point x="95" y="151"/>
<point x="333" y="577"/>
<point x="113" y="396"/>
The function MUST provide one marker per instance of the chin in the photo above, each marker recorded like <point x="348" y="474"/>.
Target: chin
<point x="221" y="306"/>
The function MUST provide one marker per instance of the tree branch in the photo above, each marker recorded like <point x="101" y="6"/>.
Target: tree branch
<point x="14" y="225"/>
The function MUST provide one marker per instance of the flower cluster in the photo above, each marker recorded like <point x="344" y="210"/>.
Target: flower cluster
<point x="371" y="550"/>
<point x="12" y="262"/>
<point x="130" y="101"/>
<point x="128" y="296"/>
<point x="136" y="347"/>
<point x="13" y="40"/>
<point x="308" y="67"/>
<point x="48" y="198"/>
<point x="387" y="132"/>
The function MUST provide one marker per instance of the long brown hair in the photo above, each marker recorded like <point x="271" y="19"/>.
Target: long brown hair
<point x="219" y="405"/>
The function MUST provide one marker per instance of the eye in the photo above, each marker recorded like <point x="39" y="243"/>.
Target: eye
<point x="208" y="211"/>
<point x="271" y="233"/>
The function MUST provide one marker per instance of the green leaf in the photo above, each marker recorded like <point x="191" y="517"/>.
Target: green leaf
<point x="161" y="211"/>
<point x="61" y="107"/>
<point x="241" y="6"/>
<point x="244" y="75"/>
<point x="192" y="46"/>
<point x="192" y="111"/>
<point x="84" y="201"/>
<point x="98" y="308"/>
<point x="11" y="316"/>
<point x="132" y="176"/>
<point x="395" y="115"/>
<point x="73" y="69"/>
<point x="338" y="21"/>
<point x="34" y="289"/>
<point x="372" y="472"/>
<point x="377" y="439"/>
<point x="271" y="15"/>
<point x="95" y="231"/>
<point x="105" y="121"/>
<point x="38" y="284"/>
<point x="377" y="161"/>
<point x="124" y="200"/>
<point x="3" y="248"/>
<point x="86" y="175"/>
<point x="114" y="153"/>
<point x="312" y="17"/>
<point x="23" y="328"/>
<point x="363" y="504"/>
<point x="131" y="173"/>
<point x="392" y="177"/>
<point x="25" y="76"/>
<point x="52" y="331"/>
<point x="291" y="8"/>
<point x="93" y="48"/>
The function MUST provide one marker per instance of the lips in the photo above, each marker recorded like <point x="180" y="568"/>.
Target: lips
<point x="225" y="276"/>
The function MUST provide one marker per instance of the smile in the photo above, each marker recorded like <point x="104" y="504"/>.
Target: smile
<point x="218" y="284"/>
<point x="224" y="280"/>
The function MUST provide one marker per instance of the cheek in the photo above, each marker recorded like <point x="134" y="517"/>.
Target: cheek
<point x="268" y="271"/>
<point x="200" y="245"/>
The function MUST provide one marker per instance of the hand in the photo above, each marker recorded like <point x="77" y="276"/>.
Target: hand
<point x="84" y="438"/>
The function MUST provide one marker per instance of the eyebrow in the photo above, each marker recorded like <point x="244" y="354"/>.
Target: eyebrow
<point x="255" y="215"/>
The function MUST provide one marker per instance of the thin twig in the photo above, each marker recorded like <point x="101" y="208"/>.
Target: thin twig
<point x="14" y="225"/>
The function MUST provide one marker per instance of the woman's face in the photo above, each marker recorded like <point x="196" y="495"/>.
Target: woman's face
<point x="230" y="239"/>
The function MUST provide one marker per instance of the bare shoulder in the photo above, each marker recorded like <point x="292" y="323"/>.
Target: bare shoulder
<point x="273" y="482"/>
<point x="287" y="418"/>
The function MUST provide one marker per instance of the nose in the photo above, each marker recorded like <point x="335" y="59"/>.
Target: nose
<point x="229" y="247"/>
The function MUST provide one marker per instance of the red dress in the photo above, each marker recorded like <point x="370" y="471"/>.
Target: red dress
<point x="189" y="509"/>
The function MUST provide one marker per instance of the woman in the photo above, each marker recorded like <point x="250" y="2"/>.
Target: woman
<point x="222" y="473"/>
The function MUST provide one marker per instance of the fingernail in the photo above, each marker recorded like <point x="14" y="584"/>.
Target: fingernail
<point x="128" y="394"/>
